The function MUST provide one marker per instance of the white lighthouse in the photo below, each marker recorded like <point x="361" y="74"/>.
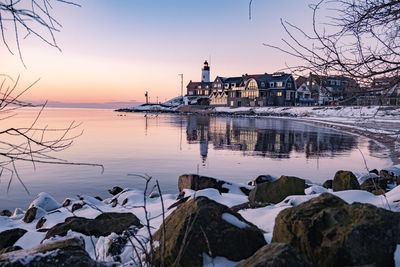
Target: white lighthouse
<point x="205" y="73"/>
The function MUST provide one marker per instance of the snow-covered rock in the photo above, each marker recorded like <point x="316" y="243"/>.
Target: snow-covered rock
<point x="45" y="201"/>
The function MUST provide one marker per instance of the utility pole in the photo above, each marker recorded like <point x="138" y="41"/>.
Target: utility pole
<point x="181" y="74"/>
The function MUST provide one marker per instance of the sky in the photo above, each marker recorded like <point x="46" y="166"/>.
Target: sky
<point x="115" y="50"/>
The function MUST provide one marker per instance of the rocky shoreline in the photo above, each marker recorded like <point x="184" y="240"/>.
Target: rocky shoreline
<point x="286" y="221"/>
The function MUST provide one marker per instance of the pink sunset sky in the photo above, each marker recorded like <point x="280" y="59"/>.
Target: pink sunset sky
<point x="114" y="51"/>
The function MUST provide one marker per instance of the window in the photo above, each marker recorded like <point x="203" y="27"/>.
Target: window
<point x="271" y="84"/>
<point x="232" y="85"/>
<point x="199" y="86"/>
<point x="252" y="85"/>
<point x="279" y="93"/>
<point x="226" y="85"/>
<point x="279" y="84"/>
<point x="215" y="85"/>
<point x="289" y="85"/>
<point x="263" y="84"/>
<point x="206" y="86"/>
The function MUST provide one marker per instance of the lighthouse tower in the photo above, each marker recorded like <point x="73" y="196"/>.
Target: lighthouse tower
<point x="205" y="73"/>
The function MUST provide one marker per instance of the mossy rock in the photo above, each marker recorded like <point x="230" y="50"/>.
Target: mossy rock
<point x="276" y="255"/>
<point x="201" y="226"/>
<point x="196" y="182"/>
<point x="276" y="191"/>
<point x="329" y="232"/>
<point x="345" y="180"/>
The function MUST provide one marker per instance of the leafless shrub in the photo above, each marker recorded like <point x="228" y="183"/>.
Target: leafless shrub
<point x="29" y="143"/>
<point x="359" y="40"/>
<point x="29" y="17"/>
<point x="145" y="247"/>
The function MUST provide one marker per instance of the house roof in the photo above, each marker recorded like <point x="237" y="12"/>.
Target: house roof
<point x="300" y="80"/>
<point x="192" y="85"/>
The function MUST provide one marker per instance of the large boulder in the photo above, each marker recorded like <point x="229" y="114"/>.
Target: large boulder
<point x="276" y="191"/>
<point x="275" y="255"/>
<point x="65" y="252"/>
<point x="203" y="226"/>
<point x="196" y="182"/>
<point x="9" y="237"/>
<point x="102" y="225"/>
<point x="329" y="232"/>
<point x="345" y="180"/>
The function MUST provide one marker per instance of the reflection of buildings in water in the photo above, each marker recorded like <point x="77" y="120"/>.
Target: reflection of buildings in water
<point x="377" y="150"/>
<point x="265" y="137"/>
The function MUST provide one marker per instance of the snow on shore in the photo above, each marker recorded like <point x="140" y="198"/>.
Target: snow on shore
<point x="264" y="217"/>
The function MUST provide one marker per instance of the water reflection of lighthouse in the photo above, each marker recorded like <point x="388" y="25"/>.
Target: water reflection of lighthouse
<point x="197" y="131"/>
<point x="203" y="143"/>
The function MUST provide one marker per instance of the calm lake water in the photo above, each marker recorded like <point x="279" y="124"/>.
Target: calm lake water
<point x="165" y="146"/>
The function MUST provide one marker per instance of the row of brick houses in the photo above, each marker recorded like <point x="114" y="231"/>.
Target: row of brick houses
<point x="281" y="89"/>
<point x="277" y="89"/>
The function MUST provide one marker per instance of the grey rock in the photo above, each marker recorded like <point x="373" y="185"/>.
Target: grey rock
<point x="373" y="184"/>
<point x="5" y="213"/>
<point x="77" y="206"/>
<point x="9" y="237"/>
<point x="66" y="202"/>
<point x="33" y="213"/>
<point x="328" y="184"/>
<point x="202" y="221"/>
<point x="196" y="182"/>
<point x="278" y="190"/>
<point x="64" y="252"/>
<point x="115" y="190"/>
<point x="345" y="180"/>
<point x="102" y="225"/>
<point x="275" y="255"/>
